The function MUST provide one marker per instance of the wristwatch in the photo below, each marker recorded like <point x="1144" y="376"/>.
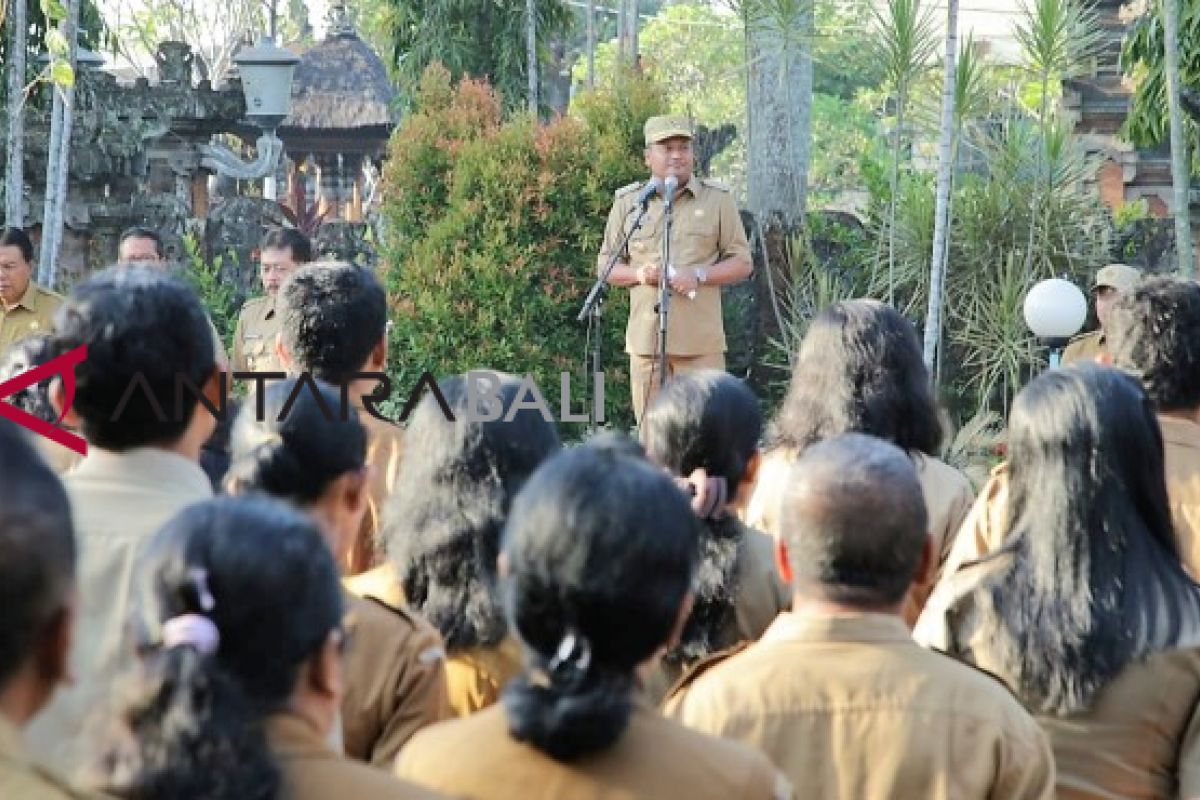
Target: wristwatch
<point x="701" y="275"/>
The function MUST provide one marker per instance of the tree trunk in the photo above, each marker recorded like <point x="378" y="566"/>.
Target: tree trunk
<point x="632" y="19"/>
<point x="14" y="190"/>
<point x="591" y="44"/>
<point x="897" y="143"/>
<point x="1180" y="174"/>
<point x="531" y="53"/>
<point x="779" y="85"/>
<point x="780" y="119"/>
<point x="59" y="159"/>
<point x="941" y="214"/>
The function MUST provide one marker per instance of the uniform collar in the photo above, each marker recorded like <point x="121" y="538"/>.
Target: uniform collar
<point x="292" y="737"/>
<point x="145" y="466"/>
<point x="1178" y="431"/>
<point x="864" y="627"/>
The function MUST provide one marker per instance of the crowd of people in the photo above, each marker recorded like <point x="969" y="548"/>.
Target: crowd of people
<point x="300" y="600"/>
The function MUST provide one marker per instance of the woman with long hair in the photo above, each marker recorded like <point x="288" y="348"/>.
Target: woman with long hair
<point x="860" y="370"/>
<point x="442" y="524"/>
<point x="599" y="555"/>
<point x="1085" y="610"/>
<point x="302" y="449"/>
<point x="704" y="427"/>
<point x="238" y="620"/>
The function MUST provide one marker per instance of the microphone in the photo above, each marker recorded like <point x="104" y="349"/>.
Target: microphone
<point x="649" y="190"/>
<point x="669" y="187"/>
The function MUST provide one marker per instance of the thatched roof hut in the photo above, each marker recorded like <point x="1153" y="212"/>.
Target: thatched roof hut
<point x="341" y="98"/>
<point x="343" y="112"/>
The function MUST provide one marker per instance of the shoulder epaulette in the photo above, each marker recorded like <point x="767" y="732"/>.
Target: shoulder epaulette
<point x="633" y="187"/>
<point x="704" y="665"/>
<point x="713" y="183"/>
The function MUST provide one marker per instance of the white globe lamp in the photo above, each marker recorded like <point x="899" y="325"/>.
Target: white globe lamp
<point x="1055" y="310"/>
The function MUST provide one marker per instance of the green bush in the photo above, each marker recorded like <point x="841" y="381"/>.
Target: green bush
<point x="491" y="231"/>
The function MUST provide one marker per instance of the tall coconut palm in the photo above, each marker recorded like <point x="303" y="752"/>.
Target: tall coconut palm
<point x="14" y="188"/>
<point x="1180" y="173"/>
<point x="58" y="155"/>
<point x="941" y="213"/>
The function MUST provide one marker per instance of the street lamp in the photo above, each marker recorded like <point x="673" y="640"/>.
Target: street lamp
<point x="1055" y="310"/>
<point x="266" y="71"/>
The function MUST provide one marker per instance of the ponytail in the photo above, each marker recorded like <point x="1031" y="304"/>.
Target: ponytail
<point x="566" y="706"/>
<point x="187" y="730"/>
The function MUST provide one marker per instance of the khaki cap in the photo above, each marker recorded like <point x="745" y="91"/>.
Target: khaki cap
<point x="1117" y="276"/>
<point x="659" y="129"/>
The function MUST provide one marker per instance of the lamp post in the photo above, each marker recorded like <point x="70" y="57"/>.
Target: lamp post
<point x="266" y="70"/>
<point x="1055" y="310"/>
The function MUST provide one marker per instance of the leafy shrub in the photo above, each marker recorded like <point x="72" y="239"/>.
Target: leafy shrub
<point x="491" y="231"/>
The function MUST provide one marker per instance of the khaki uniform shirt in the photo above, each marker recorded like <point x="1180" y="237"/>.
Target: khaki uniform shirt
<point x="476" y="676"/>
<point x="706" y="229"/>
<point x="21" y="778"/>
<point x="947" y="492"/>
<point x="382" y="583"/>
<point x="395" y="681"/>
<point x="985" y="529"/>
<point x="254" y="337"/>
<point x="850" y="706"/>
<point x="1084" y="348"/>
<point x="759" y="597"/>
<point x="33" y="314"/>
<point x="477" y="758"/>
<point x="118" y="502"/>
<point x="311" y="771"/>
<point x="1181" y="456"/>
<point x="1141" y="736"/>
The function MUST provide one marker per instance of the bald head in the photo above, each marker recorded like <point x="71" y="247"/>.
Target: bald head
<point x="854" y="521"/>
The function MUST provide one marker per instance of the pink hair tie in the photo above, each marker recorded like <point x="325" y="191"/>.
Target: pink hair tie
<point x="191" y="630"/>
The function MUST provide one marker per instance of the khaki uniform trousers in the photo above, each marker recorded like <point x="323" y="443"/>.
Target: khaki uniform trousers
<point x="644" y="379"/>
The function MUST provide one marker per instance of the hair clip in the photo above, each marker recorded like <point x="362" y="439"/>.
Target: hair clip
<point x="573" y="657"/>
<point x="199" y="579"/>
<point x="191" y="630"/>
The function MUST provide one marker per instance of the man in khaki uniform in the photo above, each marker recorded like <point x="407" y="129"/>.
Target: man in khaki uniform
<point x="141" y="469"/>
<point x="836" y="692"/>
<point x="1111" y="282"/>
<point x="25" y="308"/>
<point x="281" y="251"/>
<point x="145" y="247"/>
<point x="708" y="250"/>
<point x="333" y="325"/>
<point x="36" y="587"/>
<point x="1154" y="334"/>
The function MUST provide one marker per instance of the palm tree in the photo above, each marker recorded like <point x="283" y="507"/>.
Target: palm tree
<point x="1058" y="38"/>
<point x="15" y="168"/>
<point x="1180" y="173"/>
<point x="58" y="155"/>
<point x="941" y="214"/>
<point x="906" y="41"/>
<point x="780" y="73"/>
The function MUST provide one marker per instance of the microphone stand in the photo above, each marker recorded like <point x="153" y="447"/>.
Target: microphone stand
<point x="664" y="284"/>
<point x="593" y="310"/>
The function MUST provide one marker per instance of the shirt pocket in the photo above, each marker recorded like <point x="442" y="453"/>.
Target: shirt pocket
<point x="645" y="244"/>
<point x="699" y="240"/>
